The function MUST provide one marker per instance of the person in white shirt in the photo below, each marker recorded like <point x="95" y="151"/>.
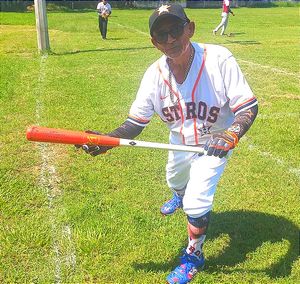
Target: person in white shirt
<point x="201" y="95"/>
<point x="225" y="17"/>
<point x="104" y="11"/>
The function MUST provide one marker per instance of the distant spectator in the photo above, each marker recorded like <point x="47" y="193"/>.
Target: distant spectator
<point x="104" y="11"/>
<point x="225" y="16"/>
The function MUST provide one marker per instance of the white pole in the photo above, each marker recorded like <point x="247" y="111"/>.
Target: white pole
<point x="41" y="25"/>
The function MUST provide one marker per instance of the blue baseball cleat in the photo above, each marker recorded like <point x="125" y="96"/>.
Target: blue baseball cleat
<point x="171" y="205"/>
<point x="188" y="268"/>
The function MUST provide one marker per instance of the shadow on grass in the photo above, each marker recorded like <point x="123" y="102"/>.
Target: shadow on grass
<point x="236" y="34"/>
<point x="242" y="42"/>
<point x="230" y="34"/>
<point x="247" y="231"/>
<point x="99" y="50"/>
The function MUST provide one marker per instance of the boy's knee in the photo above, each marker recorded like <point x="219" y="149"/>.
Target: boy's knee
<point x="198" y="226"/>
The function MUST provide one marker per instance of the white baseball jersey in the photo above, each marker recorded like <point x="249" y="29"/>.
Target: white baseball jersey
<point x="225" y="8"/>
<point x="213" y="92"/>
<point x="103" y="8"/>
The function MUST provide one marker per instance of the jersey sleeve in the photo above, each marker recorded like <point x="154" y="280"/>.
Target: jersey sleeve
<point x="142" y="109"/>
<point x="237" y="89"/>
<point x="109" y="8"/>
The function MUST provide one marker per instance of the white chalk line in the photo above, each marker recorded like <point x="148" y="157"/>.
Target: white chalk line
<point x="273" y="69"/>
<point x="49" y="182"/>
<point x="294" y="171"/>
<point x="277" y="160"/>
<point x="133" y="29"/>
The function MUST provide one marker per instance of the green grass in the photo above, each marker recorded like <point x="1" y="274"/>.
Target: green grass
<point x="69" y="218"/>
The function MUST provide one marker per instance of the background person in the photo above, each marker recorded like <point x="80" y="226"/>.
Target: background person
<point x="225" y="17"/>
<point x="200" y="93"/>
<point x="104" y="11"/>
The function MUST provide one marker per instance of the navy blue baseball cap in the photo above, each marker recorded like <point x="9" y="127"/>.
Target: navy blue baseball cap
<point x="169" y="10"/>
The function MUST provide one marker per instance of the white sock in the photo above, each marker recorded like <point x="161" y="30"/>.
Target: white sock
<point x="195" y="246"/>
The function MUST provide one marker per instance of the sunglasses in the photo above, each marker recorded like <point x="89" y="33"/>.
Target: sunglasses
<point x="175" y="31"/>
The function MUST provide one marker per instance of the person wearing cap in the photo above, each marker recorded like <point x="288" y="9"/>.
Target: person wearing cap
<point x="104" y="11"/>
<point x="200" y="93"/>
<point x="225" y="17"/>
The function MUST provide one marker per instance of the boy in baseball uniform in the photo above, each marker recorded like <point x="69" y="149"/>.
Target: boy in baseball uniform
<point x="104" y="11"/>
<point x="225" y="17"/>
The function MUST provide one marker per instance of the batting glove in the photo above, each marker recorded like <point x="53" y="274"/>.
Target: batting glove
<point x="220" y="144"/>
<point x="93" y="150"/>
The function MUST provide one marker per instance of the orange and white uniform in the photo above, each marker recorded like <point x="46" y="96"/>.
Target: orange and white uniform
<point x="225" y="16"/>
<point x="206" y="103"/>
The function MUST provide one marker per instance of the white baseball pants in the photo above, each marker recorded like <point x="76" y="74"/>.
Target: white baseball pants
<point x="223" y="24"/>
<point x="198" y="175"/>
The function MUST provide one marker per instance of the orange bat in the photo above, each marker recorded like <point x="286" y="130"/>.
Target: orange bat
<point x="53" y="135"/>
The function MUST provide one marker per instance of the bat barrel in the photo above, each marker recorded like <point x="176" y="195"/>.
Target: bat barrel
<point x="54" y="135"/>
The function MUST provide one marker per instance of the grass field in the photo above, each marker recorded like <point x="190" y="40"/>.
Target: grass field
<point x="68" y="218"/>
